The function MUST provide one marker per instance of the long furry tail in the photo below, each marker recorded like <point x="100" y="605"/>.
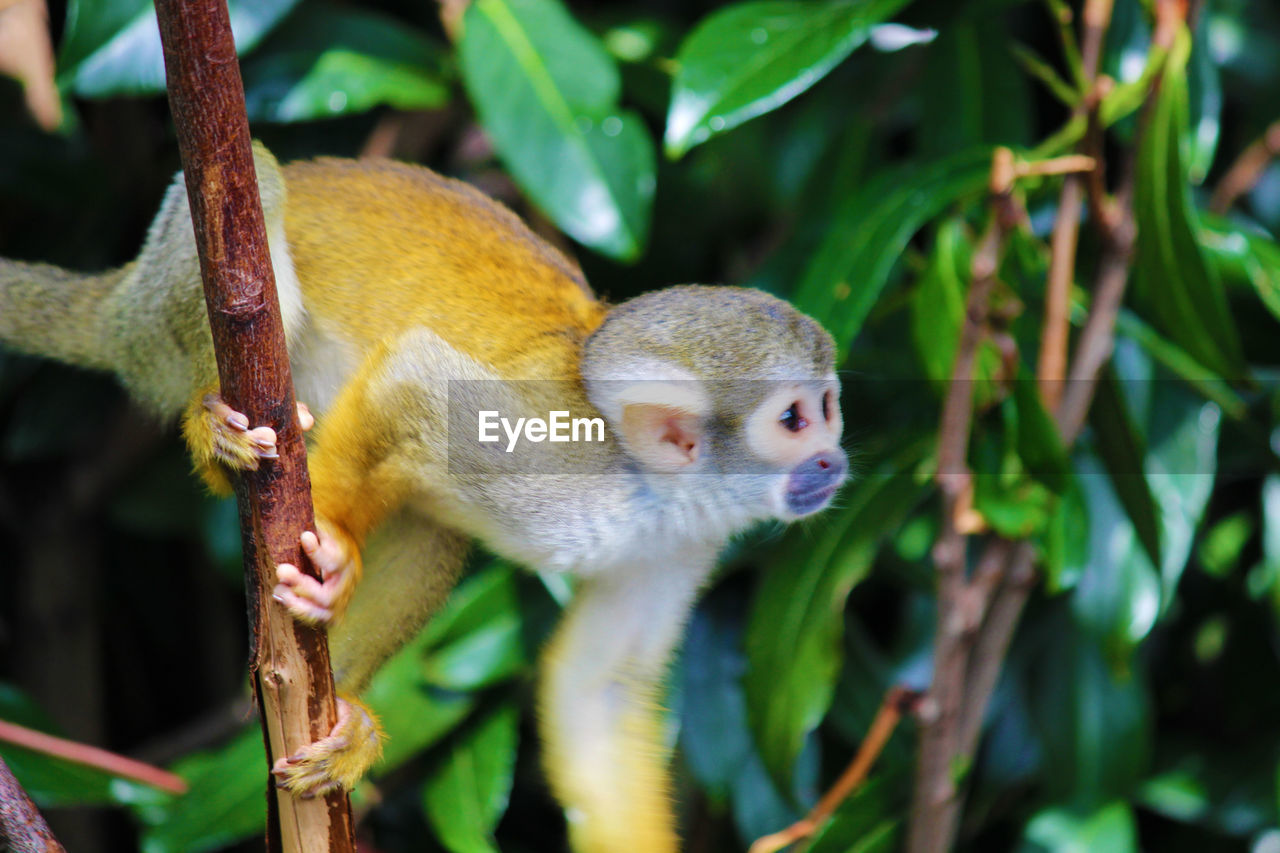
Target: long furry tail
<point x="46" y="310"/>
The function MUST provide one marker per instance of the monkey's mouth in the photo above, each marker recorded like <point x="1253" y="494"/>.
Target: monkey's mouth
<point x="810" y="501"/>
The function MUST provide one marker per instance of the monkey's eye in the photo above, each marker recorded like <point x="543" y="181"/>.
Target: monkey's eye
<point x="792" y="419"/>
<point x="826" y="406"/>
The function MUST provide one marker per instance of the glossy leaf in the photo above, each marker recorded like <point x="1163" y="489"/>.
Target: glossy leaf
<point x="868" y="233"/>
<point x="1112" y="828"/>
<point x="749" y="58"/>
<point x="330" y="60"/>
<point x="1248" y="255"/>
<point x="937" y="303"/>
<point x="225" y="801"/>
<point x="968" y="92"/>
<point x="863" y="823"/>
<point x="715" y="738"/>
<point x="482" y="635"/>
<point x="112" y="47"/>
<point x="793" y="637"/>
<point x="1093" y="719"/>
<point x="547" y="93"/>
<point x="1038" y="441"/>
<point x="468" y="794"/>
<point x="1179" y="289"/>
<point x="1122" y="447"/>
<point x="1117" y="597"/>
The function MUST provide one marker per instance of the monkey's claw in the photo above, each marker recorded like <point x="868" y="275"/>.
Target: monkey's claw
<point x="337" y="760"/>
<point x="314" y="601"/>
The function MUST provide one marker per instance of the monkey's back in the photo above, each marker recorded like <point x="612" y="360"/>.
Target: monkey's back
<point x="380" y="247"/>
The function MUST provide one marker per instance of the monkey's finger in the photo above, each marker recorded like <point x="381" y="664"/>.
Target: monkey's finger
<point x="305" y="419"/>
<point x="326" y="553"/>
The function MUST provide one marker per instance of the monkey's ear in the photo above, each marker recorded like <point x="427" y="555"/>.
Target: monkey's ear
<point x="662" y="423"/>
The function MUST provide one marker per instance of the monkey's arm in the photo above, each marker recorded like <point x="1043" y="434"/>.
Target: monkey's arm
<point x="600" y="711"/>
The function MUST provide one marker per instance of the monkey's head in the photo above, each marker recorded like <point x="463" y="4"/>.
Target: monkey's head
<point x="727" y="394"/>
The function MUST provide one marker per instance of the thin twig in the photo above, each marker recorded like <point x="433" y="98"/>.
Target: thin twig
<point x="1051" y="367"/>
<point x="1246" y="170"/>
<point x="897" y="701"/>
<point x="92" y="756"/>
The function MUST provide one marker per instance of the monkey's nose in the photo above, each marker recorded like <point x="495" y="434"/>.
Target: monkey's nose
<point x="815" y="480"/>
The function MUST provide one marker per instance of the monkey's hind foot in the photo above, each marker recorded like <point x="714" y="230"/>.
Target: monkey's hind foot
<point x="319" y="602"/>
<point x="338" y="760"/>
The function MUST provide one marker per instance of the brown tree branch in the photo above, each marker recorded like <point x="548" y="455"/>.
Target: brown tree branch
<point x="976" y="620"/>
<point x="290" y="662"/>
<point x="1246" y="170"/>
<point x="936" y="801"/>
<point x="91" y="756"/>
<point x="22" y="829"/>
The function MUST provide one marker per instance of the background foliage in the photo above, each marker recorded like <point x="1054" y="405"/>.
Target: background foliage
<point x="835" y="152"/>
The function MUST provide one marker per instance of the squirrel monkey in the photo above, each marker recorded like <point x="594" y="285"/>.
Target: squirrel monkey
<point x="415" y="307"/>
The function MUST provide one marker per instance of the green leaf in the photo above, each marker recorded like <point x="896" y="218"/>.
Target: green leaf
<point x="1173" y="358"/>
<point x="328" y="60"/>
<point x="112" y="47"/>
<point x="937" y="303"/>
<point x="793" y="637"/>
<point x="483" y="634"/>
<point x="466" y="797"/>
<point x="1122" y="448"/>
<point x="1177" y="287"/>
<point x="715" y="738"/>
<point x="866" y="822"/>
<point x="547" y="93"/>
<point x="1111" y="828"/>
<point x="226" y="801"/>
<point x="1039" y="443"/>
<point x="1066" y="540"/>
<point x="749" y="58"/>
<point x="1246" y="255"/>
<point x="1223" y="545"/>
<point x="969" y="93"/>
<point x="1094" y="719"/>
<point x="1117" y="597"/>
<point x="869" y="233"/>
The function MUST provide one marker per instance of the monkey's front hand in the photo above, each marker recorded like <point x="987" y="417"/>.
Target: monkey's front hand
<point x="335" y="761"/>
<point x="320" y="602"/>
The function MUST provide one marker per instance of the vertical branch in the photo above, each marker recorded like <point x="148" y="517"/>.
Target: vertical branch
<point x="935" y="806"/>
<point x="290" y="661"/>
<point x="977" y="619"/>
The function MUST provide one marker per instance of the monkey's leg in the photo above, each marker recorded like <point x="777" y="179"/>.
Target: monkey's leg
<point x="599" y="704"/>
<point x="411" y="566"/>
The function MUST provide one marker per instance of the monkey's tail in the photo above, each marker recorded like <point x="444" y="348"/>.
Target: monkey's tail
<point x="49" y="311"/>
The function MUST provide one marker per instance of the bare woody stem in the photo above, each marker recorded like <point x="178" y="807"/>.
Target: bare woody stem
<point x="290" y="661"/>
<point x="22" y="828"/>
<point x="936" y="801"/>
<point x="977" y="619"/>
<point x="1246" y="170"/>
